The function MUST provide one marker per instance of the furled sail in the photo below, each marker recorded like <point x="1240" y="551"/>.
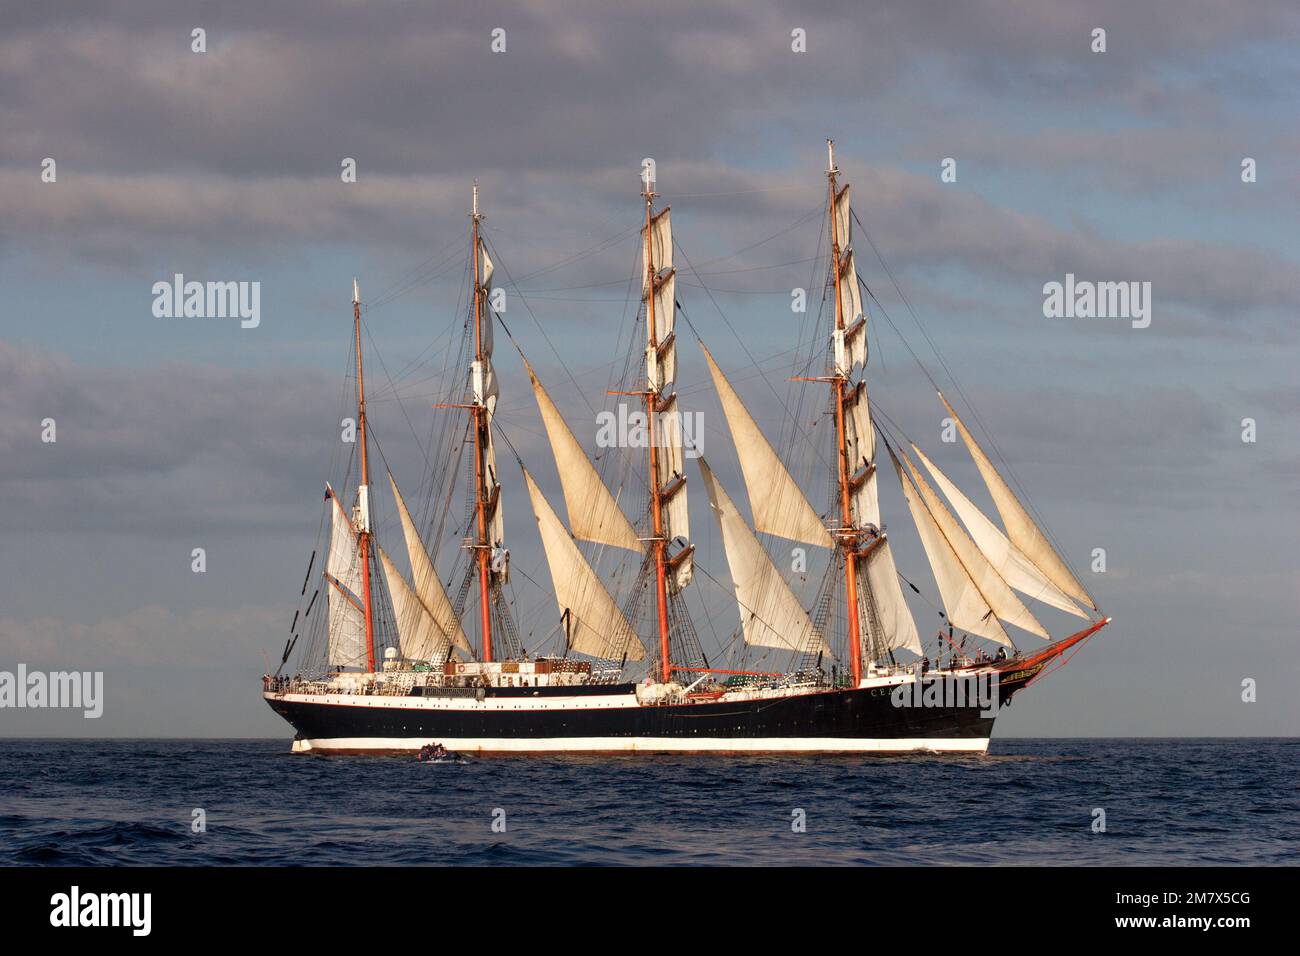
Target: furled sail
<point x="893" y="625"/>
<point x="658" y="291"/>
<point x="670" y="437"/>
<point x="486" y="392"/>
<point x="594" y="515"/>
<point x="1021" y="528"/>
<point x="661" y="357"/>
<point x="428" y="587"/>
<point x="1016" y="569"/>
<point x="851" y="341"/>
<point x="779" y="506"/>
<point x="347" y="620"/>
<point x="418" y="634"/>
<point x="594" y="624"/>
<point x="770" y="613"/>
<point x="860" y="445"/>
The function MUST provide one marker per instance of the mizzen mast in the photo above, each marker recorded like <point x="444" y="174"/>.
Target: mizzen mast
<point x="361" y="520"/>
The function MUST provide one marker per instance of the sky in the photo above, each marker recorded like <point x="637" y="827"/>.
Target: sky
<point x="174" y="433"/>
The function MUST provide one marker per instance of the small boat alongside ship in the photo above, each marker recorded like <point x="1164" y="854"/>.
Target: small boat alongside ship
<point x="396" y="662"/>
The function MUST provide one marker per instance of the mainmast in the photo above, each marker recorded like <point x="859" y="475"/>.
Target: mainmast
<point x="481" y="439"/>
<point x="848" y="533"/>
<point x="654" y="386"/>
<point x="361" y="521"/>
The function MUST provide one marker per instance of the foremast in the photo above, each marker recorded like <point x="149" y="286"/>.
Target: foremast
<point x="848" y="534"/>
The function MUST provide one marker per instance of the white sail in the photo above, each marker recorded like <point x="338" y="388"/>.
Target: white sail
<point x="897" y="628"/>
<point x="1016" y="569"/>
<point x="995" y="590"/>
<point x="660" y="251"/>
<point x="594" y="515"/>
<point x="851" y="342"/>
<point x="658" y="292"/>
<point x="594" y="624"/>
<point x="1021" y="528"/>
<point x="347" y="619"/>
<point x="418" y="634"/>
<point x="428" y="586"/>
<point x="860" y="445"/>
<point x="770" y="613"/>
<point x="992" y="589"/>
<point x="669" y="436"/>
<point x="485" y="267"/>
<point x="779" y="506"/>
<point x="966" y="606"/>
<point x="486" y="392"/>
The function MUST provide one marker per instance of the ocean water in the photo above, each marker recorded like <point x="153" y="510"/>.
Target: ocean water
<point x="1181" y="802"/>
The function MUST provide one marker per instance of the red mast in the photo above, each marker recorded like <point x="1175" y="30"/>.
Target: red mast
<point x="481" y="437"/>
<point x="849" y="532"/>
<point x="363" y="500"/>
<point x="652" y="409"/>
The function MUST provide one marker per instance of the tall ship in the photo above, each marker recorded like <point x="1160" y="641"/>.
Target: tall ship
<point x="392" y="658"/>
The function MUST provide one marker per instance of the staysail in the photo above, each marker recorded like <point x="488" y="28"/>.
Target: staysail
<point x="418" y="634"/>
<point x="889" y="619"/>
<point x="594" y="625"/>
<point x="974" y="593"/>
<point x="770" y="613"/>
<point x="427" y="585"/>
<point x="779" y="506"/>
<point x="594" y="515"/>
<point x="1016" y="569"/>
<point x="1021" y="528"/>
<point x="347" y="619"/>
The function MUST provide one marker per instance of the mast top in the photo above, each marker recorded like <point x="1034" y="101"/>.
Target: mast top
<point x="476" y="213"/>
<point x="356" y="293"/>
<point x="830" y="158"/>
<point x="648" y="179"/>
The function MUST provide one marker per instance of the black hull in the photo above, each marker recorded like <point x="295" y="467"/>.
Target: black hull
<point x="859" y="719"/>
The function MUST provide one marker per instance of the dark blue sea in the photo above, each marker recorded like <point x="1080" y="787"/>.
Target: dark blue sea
<point x="1181" y="802"/>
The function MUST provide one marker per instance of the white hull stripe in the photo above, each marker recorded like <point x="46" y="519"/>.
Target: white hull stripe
<point x="656" y="744"/>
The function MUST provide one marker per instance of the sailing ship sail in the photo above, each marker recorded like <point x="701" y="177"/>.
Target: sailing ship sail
<point x="617" y="664"/>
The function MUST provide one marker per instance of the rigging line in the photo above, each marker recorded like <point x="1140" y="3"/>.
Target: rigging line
<point x="430" y="275"/>
<point x="437" y="272"/>
<point x="762" y="268"/>
<point x="751" y="611"/>
<point x="776" y="235"/>
<point x="590" y="250"/>
<point x="531" y="314"/>
<point x="740" y="192"/>
<point x="409" y="424"/>
<point x="969" y="404"/>
<point x="800" y="433"/>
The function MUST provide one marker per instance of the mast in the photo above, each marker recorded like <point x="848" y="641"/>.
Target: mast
<point x="653" y="388"/>
<point x="849" y="532"/>
<point x="481" y="438"/>
<point x="363" y="493"/>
